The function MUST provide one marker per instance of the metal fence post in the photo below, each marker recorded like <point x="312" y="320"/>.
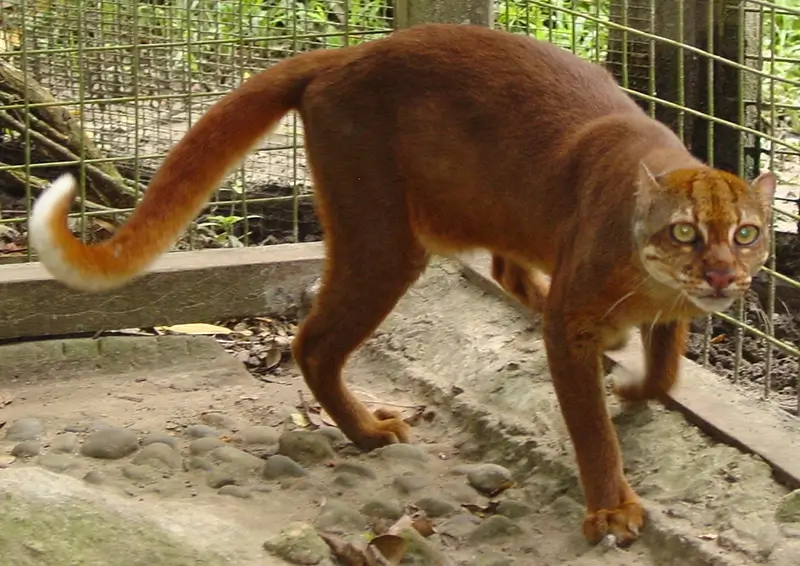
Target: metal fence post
<point x="413" y="12"/>
<point x="721" y="27"/>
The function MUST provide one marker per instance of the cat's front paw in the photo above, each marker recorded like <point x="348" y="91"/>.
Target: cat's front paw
<point x="634" y="390"/>
<point x="624" y="523"/>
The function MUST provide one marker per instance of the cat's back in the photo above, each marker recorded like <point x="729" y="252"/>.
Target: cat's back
<point x="472" y="62"/>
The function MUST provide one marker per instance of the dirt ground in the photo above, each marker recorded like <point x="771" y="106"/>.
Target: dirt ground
<point x="491" y="466"/>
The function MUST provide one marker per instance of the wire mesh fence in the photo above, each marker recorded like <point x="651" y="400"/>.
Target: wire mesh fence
<point x="725" y="76"/>
<point x="104" y="88"/>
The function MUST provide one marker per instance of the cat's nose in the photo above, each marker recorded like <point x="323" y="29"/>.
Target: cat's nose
<point x="719" y="279"/>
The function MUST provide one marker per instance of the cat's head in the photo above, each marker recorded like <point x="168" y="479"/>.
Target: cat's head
<point x="703" y="231"/>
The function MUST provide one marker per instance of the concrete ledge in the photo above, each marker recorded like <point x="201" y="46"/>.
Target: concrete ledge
<point x="707" y="400"/>
<point x="181" y="287"/>
<point x="39" y="360"/>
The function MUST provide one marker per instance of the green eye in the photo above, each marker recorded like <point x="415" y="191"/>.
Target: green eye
<point x="746" y="234"/>
<point x="684" y="233"/>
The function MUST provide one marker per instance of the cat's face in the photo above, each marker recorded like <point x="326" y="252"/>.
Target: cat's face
<point x="703" y="232"/>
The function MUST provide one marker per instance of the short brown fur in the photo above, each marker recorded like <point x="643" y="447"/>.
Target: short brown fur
<point x="441" y="139"/>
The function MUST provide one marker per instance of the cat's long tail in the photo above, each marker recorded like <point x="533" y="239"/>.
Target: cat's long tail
<point x="190" y="173"/>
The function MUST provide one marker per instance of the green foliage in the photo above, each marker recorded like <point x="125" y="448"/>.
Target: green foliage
<point x="199" y="38"/>
<point x="221" y="229"/>
<point x="561" y="21"/>
<point x="782" y="40"/>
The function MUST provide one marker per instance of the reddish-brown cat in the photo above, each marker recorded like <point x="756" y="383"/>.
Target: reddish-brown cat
<point x="441" y="139"/>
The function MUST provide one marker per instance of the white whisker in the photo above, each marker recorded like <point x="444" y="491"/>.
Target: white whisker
<point x="626" y="296"/>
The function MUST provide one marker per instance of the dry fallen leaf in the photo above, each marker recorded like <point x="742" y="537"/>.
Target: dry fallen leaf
<point x="344" y="552"/>
<point x="273" y="358"/>
<point x="300" y="420"/>
<point x="391" y="548"/>
<point x="423" y="526"/>
<point x="198" y="328"/>
<point x="708" y="536"/>
<point x="5" y="398"/>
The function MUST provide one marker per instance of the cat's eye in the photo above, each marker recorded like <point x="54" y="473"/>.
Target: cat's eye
<point x="684" y="233"/>
<point x="746" y="235"/>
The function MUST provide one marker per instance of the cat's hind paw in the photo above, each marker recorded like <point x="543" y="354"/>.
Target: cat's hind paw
<point x="385" y="427"/>
<point x="624" y="523"/>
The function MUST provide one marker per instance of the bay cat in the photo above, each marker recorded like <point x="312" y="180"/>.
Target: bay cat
<point x="446" y="138"/>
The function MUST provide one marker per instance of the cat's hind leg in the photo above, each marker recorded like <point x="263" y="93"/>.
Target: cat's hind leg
<point x="372" y="257"/>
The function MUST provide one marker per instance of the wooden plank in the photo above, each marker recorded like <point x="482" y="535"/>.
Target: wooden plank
<point x="181" y="287"/>
<point x="706" y="399"/>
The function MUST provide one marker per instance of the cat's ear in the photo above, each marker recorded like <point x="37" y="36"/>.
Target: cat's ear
<point x="764" y="187"/>
<point x="647" y="186"/>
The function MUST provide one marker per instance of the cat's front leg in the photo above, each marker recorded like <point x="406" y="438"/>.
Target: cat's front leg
<point x="574" y="344"/>
<point x="664" y="345"/>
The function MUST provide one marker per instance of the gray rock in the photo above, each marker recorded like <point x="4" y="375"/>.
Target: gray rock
<point x="435" y="507"/>
<point x="27" y="449"/>
<point x="461" y="493"/>
<point x="263" y="435"/>
<point x="383" y="509"/>
<point x="459" y="526"/>
<point x="333" y="434"/>
<point x="494" y="527"/>
<point x="299" y="543"/>
<point x="346" y="479"/>
<point x="57" y="462"/>
<point x="489" y="478"/>
<point x="234" y="466"/>
<point x="161" y="438"/>
<point x="160" y="456"/>
<point x="95" y="477"/>
<point x="788" y="510"/>
<point x="24" y="429"/>
<point x="197" y="463"/>
<point x="219" y="420"/>
<point x="110" y="443"/>
<point x="409" y="483"/>
<point x="138" y="473"/>
<point x="513" y="509"/>
<point x="206" y="444"/>
<point x="200" y="431"/>
<point x="238" y="458"/>
<point x="235" y="491"/>
<point x="220" y="478"/>
<point x="305" y="447"/>
<point x="337" y="514"/>
<point x="403" y="452"/>
<point x="280" y="466"/>
<point x="66" y="443"/>
<point x="420" y="551"/>
<point x="355" y="469"/>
